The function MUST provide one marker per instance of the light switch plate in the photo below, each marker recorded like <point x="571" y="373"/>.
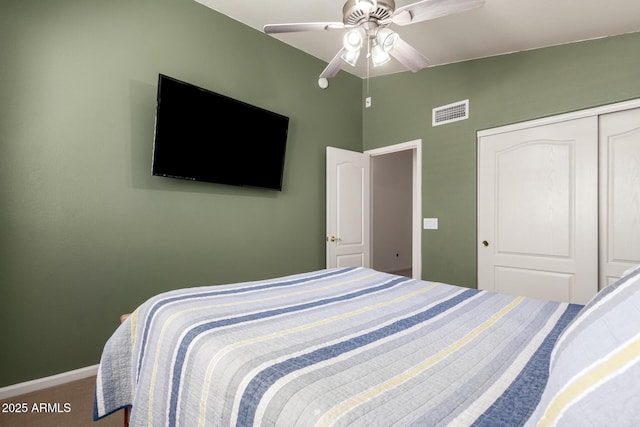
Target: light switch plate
<point x="430" y="223"/>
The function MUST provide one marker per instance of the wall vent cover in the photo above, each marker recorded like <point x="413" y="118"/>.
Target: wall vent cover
<point x="450" y="113"/>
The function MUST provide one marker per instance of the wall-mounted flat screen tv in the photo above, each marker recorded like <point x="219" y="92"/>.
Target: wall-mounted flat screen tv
<point x="201" y="135"/>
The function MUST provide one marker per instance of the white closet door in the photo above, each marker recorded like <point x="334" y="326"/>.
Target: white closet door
<point x="619" y="193"/>
<point x="538" y="211"/>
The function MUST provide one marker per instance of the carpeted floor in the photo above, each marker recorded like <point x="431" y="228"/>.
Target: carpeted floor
<point x="67" y="405"/>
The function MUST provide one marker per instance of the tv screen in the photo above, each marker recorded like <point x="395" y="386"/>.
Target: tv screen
<point x="201" y="135"/>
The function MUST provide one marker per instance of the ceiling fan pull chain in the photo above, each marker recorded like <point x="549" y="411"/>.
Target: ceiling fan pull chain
<point x="368" y="62"/>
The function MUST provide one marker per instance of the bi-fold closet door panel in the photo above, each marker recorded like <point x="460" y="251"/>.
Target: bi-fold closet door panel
<point x="558" y="212"/>
<point x="619" y="193"/>
<point x="538" y="211"/>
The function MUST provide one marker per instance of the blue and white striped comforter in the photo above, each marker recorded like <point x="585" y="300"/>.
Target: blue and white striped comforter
<point x="334" y="347"/>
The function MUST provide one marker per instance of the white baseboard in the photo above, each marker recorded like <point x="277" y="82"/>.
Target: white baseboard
<point x="46" y="382"/>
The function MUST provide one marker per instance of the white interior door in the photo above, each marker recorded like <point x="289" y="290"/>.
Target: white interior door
<point x="538" y="211"/>
<point x="619" y="193"/>
<point x="348" y="208"/>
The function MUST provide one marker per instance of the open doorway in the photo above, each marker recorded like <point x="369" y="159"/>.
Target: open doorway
<point x="391" y="206"/>
<point x="396" y="209"/>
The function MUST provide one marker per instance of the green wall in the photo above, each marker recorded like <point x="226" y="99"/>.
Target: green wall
<point x="86" y="233"/>
<point x="501" y="90"/>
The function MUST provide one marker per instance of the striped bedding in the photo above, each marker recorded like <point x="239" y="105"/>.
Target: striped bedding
<point x="348" y="346"/>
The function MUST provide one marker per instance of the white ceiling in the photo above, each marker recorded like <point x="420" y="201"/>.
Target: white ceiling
<point x="499" y="27"/>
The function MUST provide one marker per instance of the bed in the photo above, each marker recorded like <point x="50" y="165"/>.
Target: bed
<point x="358" y="347"/>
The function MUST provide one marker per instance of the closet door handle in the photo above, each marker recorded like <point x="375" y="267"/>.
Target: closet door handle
<point x="485" y="243"/>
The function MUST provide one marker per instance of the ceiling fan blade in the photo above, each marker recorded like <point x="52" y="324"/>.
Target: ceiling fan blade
<point x="304" y="26"/>
<point x="408" y="56"/>
<point x="334" y="66"/>
<point x="431" y="9"/>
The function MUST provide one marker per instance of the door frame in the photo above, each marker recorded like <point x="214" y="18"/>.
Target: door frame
<point x="416" y="216"/>
<point x="595" y="111"/>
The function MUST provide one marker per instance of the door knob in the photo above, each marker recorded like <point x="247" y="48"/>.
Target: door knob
<point x="485" y="243"/>
<point x="333" y="239"/>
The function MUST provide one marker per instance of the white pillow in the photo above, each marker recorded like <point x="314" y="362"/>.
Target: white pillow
<point x="594" y="373"/>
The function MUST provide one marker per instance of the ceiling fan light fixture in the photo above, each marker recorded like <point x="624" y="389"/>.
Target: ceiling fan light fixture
<point x="353" y="40"/>
<point x="386" y="39"/>
<point x="379" y="56"/>
<point x="350" y="56"/>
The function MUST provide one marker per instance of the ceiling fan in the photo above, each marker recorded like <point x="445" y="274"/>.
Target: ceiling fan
<point x="368" y="22"/>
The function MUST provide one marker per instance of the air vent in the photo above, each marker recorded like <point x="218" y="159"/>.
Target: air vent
<point x="450" y="113"/>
